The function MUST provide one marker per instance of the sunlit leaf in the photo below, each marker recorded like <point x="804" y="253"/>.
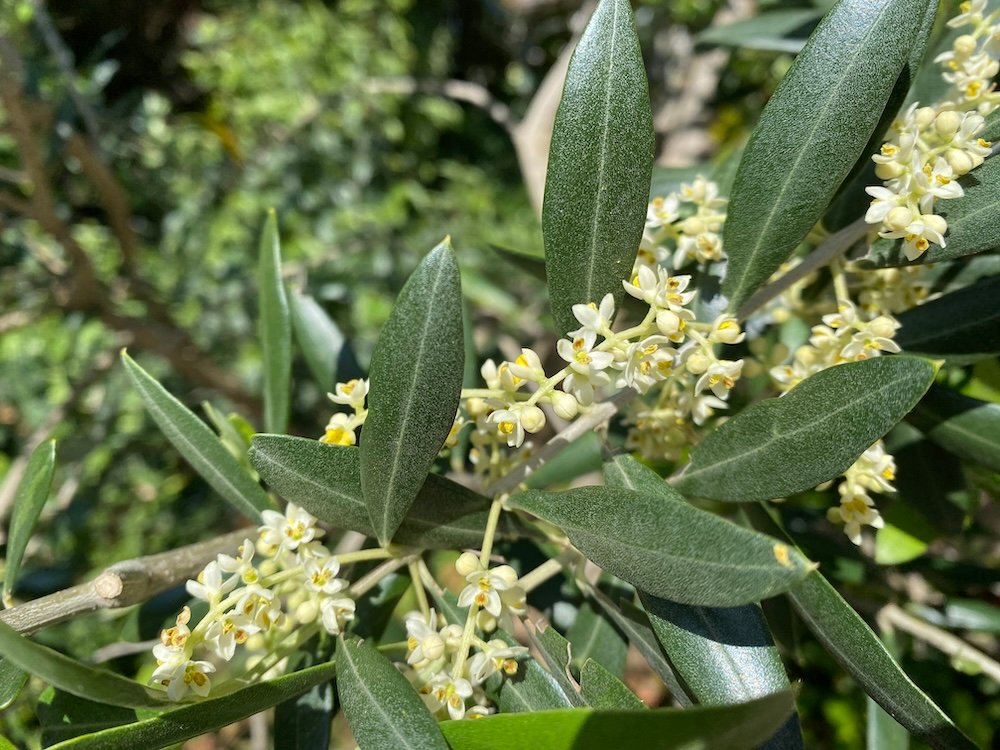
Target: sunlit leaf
<point x="811" y="434"/>
<point x="274" y="328"/>
<point x="605" y="692"/>
<point x="326" y="481"/>
<point x="812" y="132"/>
<point x="416" y="380"/>
<point x="381" y="706"/>
<point x="198" y="444"/>
<point x="600" y="159"/>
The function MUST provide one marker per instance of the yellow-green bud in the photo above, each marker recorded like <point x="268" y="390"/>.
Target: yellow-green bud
<point x="964" y="45"/>
<point x="697" y="363"/>
<point x="564" y="405"/>
<point x="924" y="116"/>
<point x="947" y="123"/>
<point x="532" y="418"/>
<point x="899" y="218"/>
<point x="888" y="170"/>
<point x="467" y="563"/>
<point x="959" y="161"/>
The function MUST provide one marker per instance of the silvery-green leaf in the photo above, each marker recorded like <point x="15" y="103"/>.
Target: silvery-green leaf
<point x="667" y="546"/>
<point x="962" y="326"/>
<point x="594" y="637"/>
<point x="600" y="159"/>
<point x="967" y="427"/>
<point x="810" y="435"/>
<point x="12" y="681"/>
<point x="319" y="338"/>
<point x="771" y="31"/>
<point x="381" y="706"/>
<point x="812" y="132"/>
<point x="555" y="652"/>
<point x="416" y="381"/>
<point x="605" y="692"/>
<point x="533" y="688"/>
<point x="198" y="444"/>
<point x="326" y="481"/>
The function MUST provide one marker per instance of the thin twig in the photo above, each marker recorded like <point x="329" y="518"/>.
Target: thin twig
<point x="830" y="248"/>
<point x="893" y="616"/>
<point x="122" y="584"/>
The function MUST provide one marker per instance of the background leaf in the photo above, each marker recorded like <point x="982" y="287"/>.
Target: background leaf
<point x="708" y="728"/>
<point x="782" y="30"/>
<point x="724" y="655"/>
<point x="416" y="380"/>
<point x="811" y="434"/>
<point x="198" y="444"/>
<point x="666" y="546"/>
<point x="967" y="427"/>
<point x="381" y="706"/>
<point x="533" y="688"/>
<point x="594" y="637"/>
<point x="179" y="724"/>
<point x="962" y="326"/>
<point x="29" y="498"/>
<point x="600" y="162"/>
<point x="318" y="337"/>
<point x="812" y="131"/>
<point x="12" y="680"/>
<point x="555" y="652"/>
<point x="275" y="329"/>
<point x="72" y="676"/>
<point x="303" y="722"/>
<point x="64" y="716"/>
<point x="326" y="481"/>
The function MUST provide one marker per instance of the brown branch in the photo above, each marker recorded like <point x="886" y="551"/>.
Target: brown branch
<point x="122" y="584"/>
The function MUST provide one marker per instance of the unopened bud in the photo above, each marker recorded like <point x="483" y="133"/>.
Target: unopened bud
<point x="532" y="418"/>
<point x="883" y="326"/>
<point x="947" y="123"/>
<point x="564" y="405"/>
<point x="924" y="116"/>
<point x="964" y="45"/>
<point x="959" y="161"/>
<point x="433" y="646"/>
<point x="692" y="225"/>
<point x="668" y="322"/>
<point x="888" y="170"/>
<point x="467" y="563"/>
<point x="899" y="218"/>
<point x="306" y="612"/>
<point x="935" y="222"/>
<point x="697" y="363"/>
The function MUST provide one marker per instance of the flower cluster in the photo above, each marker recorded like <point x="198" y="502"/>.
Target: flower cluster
<point x="684" y="226"/>
<point x="872" y="472"/>
<point x="931" y="147"/>
<point x="451" y="663"/>
<point x="288" y="592"/>
<point x="340" y="430"/>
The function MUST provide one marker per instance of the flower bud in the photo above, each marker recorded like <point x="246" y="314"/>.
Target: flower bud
<point x="947" y="124"/>
<point x="532" y="418"/>
<point x="964" y="45"/>
<point x="697" y="363"/>
<point x="899" y="218"/>
<point x="726" y="331"/>
<point x="668" y="322"/>
<point x="564" y="405"/>
<point x="924" y="116"/>
<point x="959" y="161"/>
<point x="883" y="326"/>
<point x="889" y="170"/>
<point x="433" y="647"/>
<point x="467" y="563"/>
<point x="692" y="225"/>
<point x="935" y="222"/>
<point x="306" y="612"/>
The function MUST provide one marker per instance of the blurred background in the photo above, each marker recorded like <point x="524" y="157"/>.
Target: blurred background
<point x="141" y="144"/>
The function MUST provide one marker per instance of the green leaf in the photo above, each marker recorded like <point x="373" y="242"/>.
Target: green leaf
<point x="882" y="731"/>
<point x="64" y="716"/>
<point x="710" y="728"/>
<point x="663" y="545"/>
<point x="533" y="688"/>
<point x="812" y="131"/>
<point x="967" y="427"/>
<point x="581" y="456"/>
<point x="416" y="381"/>
<point x="381" y="706"/>
<point x="810" y="435"/>
<point x="318" y="337"/>
<point x="179" y="724"/>
<point x="31" y="494"/>
<point x="198" y="444"/>
<point x="962" y="326"/>
<point x="634" y="623"/>
<point x="600" y="162"/>
<point x="275" y="329"/>
<point x="859" y="651"/>
<point x="972" y="614"/>
<point x="326" y="481"/>
<point x="894" y="546"/>
<point x="594" y="637"/>
<point x="724" y="655"/>
<point x="555" y="652"/>
<point x="605" y="692"/>
<point x="12" y="681"/>
<point x="73" y="677"/>
<point x="973" y="223"/>
<point x="772" y="31"/>
<point x="303" y="722"/>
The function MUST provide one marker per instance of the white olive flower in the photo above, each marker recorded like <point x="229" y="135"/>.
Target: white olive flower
<point x="321" y="576"/>
<point x="496" y="655"/>
<point x="286" y="531"/>
<point x="451" y="693"/>
<point x="178" y="674"/>
<point x="240" y="567"/>
<point x="484" y="587"/>
<point x="339" y="430"/>
<point x="336" y="612"/>
<point x="229" y="631"/>
<point x="648" y="362"/>
<point x="209" y="585"/>
<point x="856" y="509"/>
<point x="593" y="318"/>
<point x="352" y="393"/>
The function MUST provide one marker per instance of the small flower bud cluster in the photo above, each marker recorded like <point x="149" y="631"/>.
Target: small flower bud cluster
<point x="292" y="586"/>
<point x="450" y="665"/>
<point x="844" y="336"/>
<point x="340" y="430"/>
<point x="893" y="290"/>
<point x="872" y="472"/>
<point x="931" y="147"/>
<point x="684" y="225"/>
